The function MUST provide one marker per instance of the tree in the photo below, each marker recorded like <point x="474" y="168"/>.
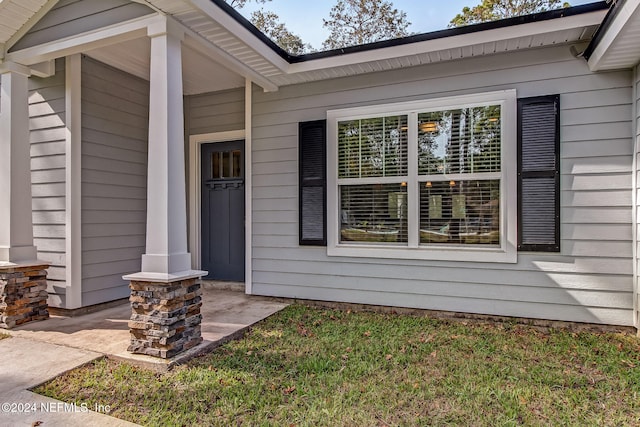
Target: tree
<point x="491" y="10"/>
<point x="356" y="22"/>
<point x="239" y="4"/>
<point x="269" y="23"/>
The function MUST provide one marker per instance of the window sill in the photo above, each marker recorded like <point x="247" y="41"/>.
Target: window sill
<point x="442" y="253"/>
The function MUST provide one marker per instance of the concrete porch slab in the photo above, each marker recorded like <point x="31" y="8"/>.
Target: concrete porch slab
<point x="226" y="315"/>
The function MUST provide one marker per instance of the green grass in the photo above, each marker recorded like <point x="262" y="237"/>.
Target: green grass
<point x="305" y="366"/>
<point x="3" y="336"/>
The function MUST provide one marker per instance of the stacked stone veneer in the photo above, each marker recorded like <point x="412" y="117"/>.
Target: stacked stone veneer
<point x="165" y="318"/>
<point x="23" y="295"/>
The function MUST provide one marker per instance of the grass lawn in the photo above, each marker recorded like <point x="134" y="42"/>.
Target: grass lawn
<point x="307" y="366"/>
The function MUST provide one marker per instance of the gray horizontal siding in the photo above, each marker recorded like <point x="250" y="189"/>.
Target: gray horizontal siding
<point x="637" y="147"/>
<point x="215" y="112"/>
<point x="591" y="280"/>
<point x="71" y="17"/>
<point x="48" y="148"/>
<point x="115" y="109"/>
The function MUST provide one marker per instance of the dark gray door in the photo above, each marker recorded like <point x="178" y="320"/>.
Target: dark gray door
<point x="223" y="210"/>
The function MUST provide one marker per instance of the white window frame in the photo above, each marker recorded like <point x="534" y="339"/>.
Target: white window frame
<point x="506" y="252"/>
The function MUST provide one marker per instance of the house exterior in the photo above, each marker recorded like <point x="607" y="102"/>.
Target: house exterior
<point x="489" y="169"/>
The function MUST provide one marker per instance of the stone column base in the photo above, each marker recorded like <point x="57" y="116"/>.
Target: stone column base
<point x="165" y="318"/>
<point x="23" y="294"/>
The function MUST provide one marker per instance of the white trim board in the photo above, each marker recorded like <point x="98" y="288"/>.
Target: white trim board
<point x="248" y="187"/>
<point x="73" y="181"/>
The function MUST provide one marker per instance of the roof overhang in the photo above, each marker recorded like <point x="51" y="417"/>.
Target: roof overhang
<point x="557" y="27"/>
<point x="483" y="40"/>
<point x="223" y="26"/>
<point x="217" y="31"/>
<point x="616" y="45"/>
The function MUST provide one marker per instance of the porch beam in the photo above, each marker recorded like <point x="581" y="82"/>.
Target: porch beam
<point x="16" y="224"/>
<point x="106" y="36"/>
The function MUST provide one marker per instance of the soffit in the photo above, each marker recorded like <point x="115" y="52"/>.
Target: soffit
<point x="442" y="50"/>
<point x="619" y="45"/>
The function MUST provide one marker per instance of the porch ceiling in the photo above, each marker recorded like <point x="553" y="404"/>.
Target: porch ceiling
<point x="200" y="74"/>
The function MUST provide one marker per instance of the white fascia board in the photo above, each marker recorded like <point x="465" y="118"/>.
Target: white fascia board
<point x="612" y="34"/>
<point x="106" y="36"/>
<point x="463" y="40"/>
<point x="239" y="31"/>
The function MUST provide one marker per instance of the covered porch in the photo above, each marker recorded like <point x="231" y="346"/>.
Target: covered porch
<point x="128" y="161"/>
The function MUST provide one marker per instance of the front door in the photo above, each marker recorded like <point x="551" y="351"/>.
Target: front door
<point x="223" y="210"/>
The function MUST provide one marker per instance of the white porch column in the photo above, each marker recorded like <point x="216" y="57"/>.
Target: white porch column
<point x="166" y="251"/>
<point x="165" y="295"/>
<point x="16" y="224"/>
<point x="23" y="279"/>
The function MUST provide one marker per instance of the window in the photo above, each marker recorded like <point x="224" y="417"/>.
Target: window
<point x="424" y="180"/>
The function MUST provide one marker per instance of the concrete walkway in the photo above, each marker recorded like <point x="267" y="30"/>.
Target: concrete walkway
<point x="27" y="363"/>
<point x="40" y="351"/>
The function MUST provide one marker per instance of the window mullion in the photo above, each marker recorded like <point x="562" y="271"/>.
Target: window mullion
<point x="413" y="205"/>
<point x="478" y="176"/>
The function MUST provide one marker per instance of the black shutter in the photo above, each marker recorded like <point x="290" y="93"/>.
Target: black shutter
<point x="312" y="163"/>
<point x="539" y="174"/>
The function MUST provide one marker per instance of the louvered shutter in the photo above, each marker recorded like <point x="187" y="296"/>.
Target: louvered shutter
<point x="539" y="174"/>
<point x="312" y="183"/>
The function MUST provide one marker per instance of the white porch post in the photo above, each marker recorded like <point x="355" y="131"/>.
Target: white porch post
<point x="165" y="297"/>
<point x="166" y="195"/>
<point x="23" y="286"/>
<point x="16" y="227"/>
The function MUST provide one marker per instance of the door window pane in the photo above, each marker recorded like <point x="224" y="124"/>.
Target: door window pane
<point x="226" y="164"/>
<point x="237" y="166"/>
<point x="215" y="166"/>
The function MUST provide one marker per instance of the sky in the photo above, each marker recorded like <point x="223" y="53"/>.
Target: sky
<point x="304" y="17"/>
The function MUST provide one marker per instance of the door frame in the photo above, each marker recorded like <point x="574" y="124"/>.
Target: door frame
<point x="195" y="195"/>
